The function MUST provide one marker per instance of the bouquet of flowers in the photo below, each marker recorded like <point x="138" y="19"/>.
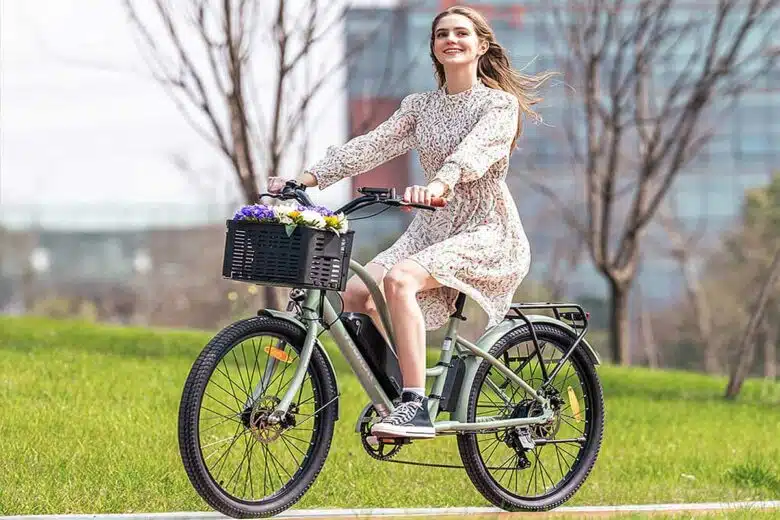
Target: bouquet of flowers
<point x="292" y="215"/>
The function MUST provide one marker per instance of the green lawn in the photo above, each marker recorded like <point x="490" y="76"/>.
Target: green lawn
<point x="89" y="426"/>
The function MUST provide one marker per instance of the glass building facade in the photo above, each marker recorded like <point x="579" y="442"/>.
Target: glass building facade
<point x="743" y="152"/>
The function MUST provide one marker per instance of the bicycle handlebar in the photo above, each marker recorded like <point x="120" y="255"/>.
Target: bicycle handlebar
<point x="293" y="190"/>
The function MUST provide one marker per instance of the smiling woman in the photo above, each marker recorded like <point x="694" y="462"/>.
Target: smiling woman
<point x="464" y="132"/>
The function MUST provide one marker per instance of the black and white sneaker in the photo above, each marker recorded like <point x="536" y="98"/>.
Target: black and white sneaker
<point x="408" y="419"/>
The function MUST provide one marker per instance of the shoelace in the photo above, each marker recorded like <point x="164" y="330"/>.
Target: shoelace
<point x="404" y="413"/>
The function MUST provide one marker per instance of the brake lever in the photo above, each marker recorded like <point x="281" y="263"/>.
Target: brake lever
<point x="272" y="195"/>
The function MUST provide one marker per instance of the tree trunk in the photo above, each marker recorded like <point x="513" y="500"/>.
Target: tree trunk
<point x="619" y="337"/>
<point x="711" y="362"/>
<point x="648" y="339"/>
<point x="744" y="357"/>
<point x="646" y="335"/>
<point x="770" y="351"/>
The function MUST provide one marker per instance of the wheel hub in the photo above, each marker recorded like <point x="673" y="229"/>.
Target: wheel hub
<point x="532" y="408"/>
<point x="256" y="420"/>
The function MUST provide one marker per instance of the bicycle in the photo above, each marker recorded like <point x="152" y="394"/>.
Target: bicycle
<point x="526" y="384"/>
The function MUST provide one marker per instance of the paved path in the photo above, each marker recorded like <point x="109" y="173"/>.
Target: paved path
<point x="494" y="513"/>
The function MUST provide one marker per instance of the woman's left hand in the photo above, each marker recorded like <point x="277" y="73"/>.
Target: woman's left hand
<point x="423" y="194"/>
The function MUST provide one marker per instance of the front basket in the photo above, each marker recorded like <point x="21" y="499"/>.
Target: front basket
<point x="309" y="258"/>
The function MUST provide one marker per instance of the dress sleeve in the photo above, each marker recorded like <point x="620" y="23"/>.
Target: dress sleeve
<point x="488" y="142"/>
<point x="392" y="138"/>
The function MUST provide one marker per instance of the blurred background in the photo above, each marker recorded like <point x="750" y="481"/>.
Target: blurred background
<point x="650" y="193"/>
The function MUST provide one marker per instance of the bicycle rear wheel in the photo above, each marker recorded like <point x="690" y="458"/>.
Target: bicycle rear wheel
<point x="500" y="464"/>
<point x="238" y="462"/>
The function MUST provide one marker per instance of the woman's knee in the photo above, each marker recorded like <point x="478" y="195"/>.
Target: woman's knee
<point x="400" y="280"/>
<point x="356" y="296"/>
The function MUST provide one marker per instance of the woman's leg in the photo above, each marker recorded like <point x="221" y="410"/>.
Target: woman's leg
<point x="358" y="299"/>
<point x="402" y="284"/>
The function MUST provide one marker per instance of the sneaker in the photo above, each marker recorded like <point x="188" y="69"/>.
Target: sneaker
<point x="408" y="419"/>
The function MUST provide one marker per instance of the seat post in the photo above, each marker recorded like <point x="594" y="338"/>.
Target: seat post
<point x="459" y="304"/>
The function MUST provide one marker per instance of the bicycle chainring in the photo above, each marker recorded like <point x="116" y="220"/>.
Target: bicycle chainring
<point x="382" y="450"/>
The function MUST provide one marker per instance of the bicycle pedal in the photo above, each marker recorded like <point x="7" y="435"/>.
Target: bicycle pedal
<point x="397" y="441"/>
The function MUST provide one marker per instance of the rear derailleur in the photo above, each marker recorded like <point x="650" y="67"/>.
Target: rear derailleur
<point x="519" y="439"/>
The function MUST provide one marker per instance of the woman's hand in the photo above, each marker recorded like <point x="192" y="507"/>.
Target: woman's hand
<point x="275" y="184"/>
<point x="423" y="194"/>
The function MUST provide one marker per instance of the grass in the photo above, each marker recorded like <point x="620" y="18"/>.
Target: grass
<point x="89" y="426"/>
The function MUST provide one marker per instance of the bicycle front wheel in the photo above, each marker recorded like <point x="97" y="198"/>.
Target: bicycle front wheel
<point x="538" y="467"/>
<point x="240" y="463"/>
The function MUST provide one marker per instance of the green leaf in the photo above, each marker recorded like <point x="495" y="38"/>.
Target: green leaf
<point x="290" y="228"/>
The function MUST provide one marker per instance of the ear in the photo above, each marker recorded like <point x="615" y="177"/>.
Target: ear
<point x="483" y="47"/>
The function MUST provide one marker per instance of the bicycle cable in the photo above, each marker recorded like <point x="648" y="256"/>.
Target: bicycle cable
<point x="370" y="216"/>
<point x="338" y="315"/>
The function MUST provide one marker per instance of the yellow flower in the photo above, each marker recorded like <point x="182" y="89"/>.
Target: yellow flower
<point x="294" y="214"/>
<point x="332" y="221"/>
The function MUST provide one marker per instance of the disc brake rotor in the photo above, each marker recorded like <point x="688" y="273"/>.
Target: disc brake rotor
<point x="259" y="426"/>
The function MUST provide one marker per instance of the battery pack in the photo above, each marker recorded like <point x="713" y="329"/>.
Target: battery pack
<point x="375" y="350"/>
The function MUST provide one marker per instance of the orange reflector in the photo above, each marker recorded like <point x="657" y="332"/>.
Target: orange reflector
<point x="575" y="405"/>
<point x="279" y="354"/>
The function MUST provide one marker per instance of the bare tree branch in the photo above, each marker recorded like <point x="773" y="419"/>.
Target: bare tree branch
<point x="744" y="356"/>
<point x="203" y="53"/>
<point x="643" y="122"/>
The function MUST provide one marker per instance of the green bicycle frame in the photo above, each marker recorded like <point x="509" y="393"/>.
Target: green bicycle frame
<point x="315" y="305"/>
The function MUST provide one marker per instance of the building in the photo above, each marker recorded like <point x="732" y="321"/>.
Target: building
<point x="392" y="60"/>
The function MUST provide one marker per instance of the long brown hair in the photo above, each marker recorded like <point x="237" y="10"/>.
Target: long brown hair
<point x="494" y="68"/>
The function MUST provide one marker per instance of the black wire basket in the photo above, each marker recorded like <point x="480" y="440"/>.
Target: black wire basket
<point x="263" y="254"/>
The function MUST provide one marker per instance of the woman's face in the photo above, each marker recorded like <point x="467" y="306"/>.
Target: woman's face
<point x="455" y="41"/>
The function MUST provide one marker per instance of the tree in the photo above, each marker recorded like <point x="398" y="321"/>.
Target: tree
<point x="208" y="54"/>
<point x="743" y="359"/>
<point x="720" y="315"/>
<point x="684" y="248"/>
<point x="756" y="249"/>
<point x="636" y="123"/>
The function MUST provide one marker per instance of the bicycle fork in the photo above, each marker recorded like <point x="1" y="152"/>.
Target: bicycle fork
<point x="276" y="355"/>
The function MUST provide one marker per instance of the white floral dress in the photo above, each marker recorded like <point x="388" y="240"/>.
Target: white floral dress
<point x="476" y="244"/>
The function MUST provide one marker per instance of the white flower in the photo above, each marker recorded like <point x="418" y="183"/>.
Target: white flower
<point x="282" y="211"/>
<point x="343" y="226"/>
<point x="313" y="218"/>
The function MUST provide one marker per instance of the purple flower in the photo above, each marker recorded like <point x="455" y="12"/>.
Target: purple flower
<point x="254" y="213"/>
<point x="325" y="212"/>
<point x="263" y="213"/>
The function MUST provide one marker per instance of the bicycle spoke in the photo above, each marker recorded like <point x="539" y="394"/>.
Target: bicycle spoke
<point x="499" y="395"/>
<point x="229" y="439"/>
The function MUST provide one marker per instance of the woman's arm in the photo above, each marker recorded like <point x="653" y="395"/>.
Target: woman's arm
<point x="488" y="142"/>
<point x="362" y="153"/>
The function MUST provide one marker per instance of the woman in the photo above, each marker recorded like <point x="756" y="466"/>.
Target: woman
<point x="464" y="132"/>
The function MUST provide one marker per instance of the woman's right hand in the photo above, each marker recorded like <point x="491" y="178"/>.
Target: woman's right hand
<point x="275" y="184"/>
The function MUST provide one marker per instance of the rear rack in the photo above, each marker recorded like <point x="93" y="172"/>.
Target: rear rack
<point x="572" y="313"/>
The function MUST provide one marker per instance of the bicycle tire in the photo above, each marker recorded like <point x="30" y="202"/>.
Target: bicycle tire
<point x="189" y="411"/>
<point x="469" y="449"/>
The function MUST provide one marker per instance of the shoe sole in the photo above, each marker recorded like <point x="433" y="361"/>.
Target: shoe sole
<point x="389" y="430"/>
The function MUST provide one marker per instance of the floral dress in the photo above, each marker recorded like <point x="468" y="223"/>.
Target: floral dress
<point x="476" y="244"/>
